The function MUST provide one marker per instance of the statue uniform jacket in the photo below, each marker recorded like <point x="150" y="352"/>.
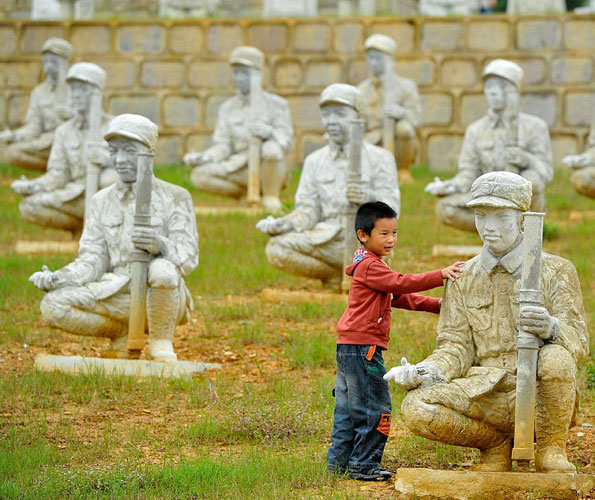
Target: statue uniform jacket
<point x="105" y="248"/>
<point x="478" y="326"/>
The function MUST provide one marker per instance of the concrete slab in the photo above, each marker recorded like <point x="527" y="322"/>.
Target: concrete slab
<point x="576" y="216"/>
<point x="426" y="484"/>
<point x="298" y="296"/>
<point x="455" y="250"/>
<point x="131" y="367"/>
<point x="46" y="247"/>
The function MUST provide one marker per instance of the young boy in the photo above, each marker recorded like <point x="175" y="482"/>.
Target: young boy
<point x="362" y="399"/>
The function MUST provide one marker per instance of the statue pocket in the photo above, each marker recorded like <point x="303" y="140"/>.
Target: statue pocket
<point x="479" y="312"/>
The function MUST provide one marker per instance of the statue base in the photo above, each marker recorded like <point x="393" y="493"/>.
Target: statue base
<point x="429" y="484"/>
<point x="46" y="247"/>
<point x="130" y="367"/>
<point x="456" y="250"/>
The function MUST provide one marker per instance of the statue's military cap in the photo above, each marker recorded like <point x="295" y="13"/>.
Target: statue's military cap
<point x="342" y="93"/>
<point x="57" y="46"/>
<point x="380" y="42"/>
<point x="136" y="127"/>
<point x="501" y="189"/>
<point x="504" y="69"/>
<point x="247" y="56"/>
<point x="87" y="72"/>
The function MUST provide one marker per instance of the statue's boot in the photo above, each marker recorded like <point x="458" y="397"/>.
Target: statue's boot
<point x="405" y="156"/>
<point x="273" y="176"/>
<point x="294" y="262"/>
<point x="118" y="348"/>
<point x="554" y="410"/>
<point x="162" y="312"/>
<point x="496" y="459"/>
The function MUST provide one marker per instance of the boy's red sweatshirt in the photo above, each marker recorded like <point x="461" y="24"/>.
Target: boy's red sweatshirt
<point x="375" y="288"/>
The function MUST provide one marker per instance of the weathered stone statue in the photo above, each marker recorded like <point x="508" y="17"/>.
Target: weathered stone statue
<point x="282" y="8"/>
<point x="505" y="139"/>
<point x="464" y="393"/>
<point x="309" y="240"/>
<point x="57" y="198"/>
<point x="390" y="101"/>
<point x="447" y="7"/>
<point x="91" y="295"/>
<point x="29" y="145"/>
<point x="583" y="178"/>
<point x="250" y="115"/>
<point x="535" y="6"/>
<point x="187" y="8"/>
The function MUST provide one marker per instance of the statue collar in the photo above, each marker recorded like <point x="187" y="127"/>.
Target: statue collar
<point x="511" y="261"/>
<point x="338" y="152"/>
<point x="495" y="118"/>
<point x="125" y="188"/>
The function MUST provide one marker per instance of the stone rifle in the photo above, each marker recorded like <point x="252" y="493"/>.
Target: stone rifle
<point x="138" y="284"/>
<point x="355" y="176"/>
<point x="253" y="190"/>
<point x="512" y="139"/>
<point x="528" y="344"/>
<point x="388" y="123"/>
<point x="93" y="135"/>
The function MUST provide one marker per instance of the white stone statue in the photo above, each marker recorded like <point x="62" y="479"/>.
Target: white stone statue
<point x="57" y="198"/>
<point x="505" y="139"/>
<point x="283" y="8"/>
<point x="187" y="8"/>
<point x="583" y="178"/>
<point x="55" y="10"/>
<point x="447" y="7"/>
<point x="392" y="98"/>
<point x="309" y="241"/>
<point x="91" y="295"/>
<point x="252" y="114"/>
<point x="464" y="393"/>
<point x="535" y="6"/>
<point x="29" y="146"/>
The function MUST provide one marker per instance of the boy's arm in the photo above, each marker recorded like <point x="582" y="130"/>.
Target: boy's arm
<point x="380" y="277"/>
<point x="416" y="302"/>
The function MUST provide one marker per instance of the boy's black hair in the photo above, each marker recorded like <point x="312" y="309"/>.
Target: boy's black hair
<point x="369" y="213"/>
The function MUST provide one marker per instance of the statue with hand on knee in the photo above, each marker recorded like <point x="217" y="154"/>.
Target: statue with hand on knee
<point x="29" y="145"/>
<point x="91" y="295"/>
<point x="583" y="178"/>
<point x="309" y="241"/>
<point x="56" y="199"/>
<point x="504" y="140"/>
<point x="222" y="169"/>
<point x="387" y="95"/>
<point x="464" y="393"/>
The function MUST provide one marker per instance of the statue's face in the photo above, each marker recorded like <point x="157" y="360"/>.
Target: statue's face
<point x="241" y="78"/>
<point x="124" y="155"/>
<point x="335" y="120"/>
<point x="80" y="95"/>
<point x="495" y="91"/>
<point x="498" y="228"/>
<point x="51" y="64"/>
<point x="375" y="62"/>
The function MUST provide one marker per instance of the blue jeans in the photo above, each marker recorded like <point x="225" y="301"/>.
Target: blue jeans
<point x="362" y="410"/>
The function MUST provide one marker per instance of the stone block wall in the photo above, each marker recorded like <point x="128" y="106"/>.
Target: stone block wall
<point x="176" y="72"/>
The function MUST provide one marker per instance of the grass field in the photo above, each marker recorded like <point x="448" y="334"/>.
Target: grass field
<point x="258" y="428"/>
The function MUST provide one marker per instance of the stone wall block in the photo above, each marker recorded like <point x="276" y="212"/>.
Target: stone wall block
<point x="541" y="104"/>
<point x="90" y="39"/>
<point x="323" y="73"/>
<point x="34" y="36"/>
<point x="169" y="150"/>
<point x="312" y="37"/>
<point x="162" y="74"/>
<point x="3" y="117"/>
<point x="421" y="71"/>
<point x="181" y="111"/>
<point x="210" y="74"/>
<point x="579" y="108"/>
<point x="473" y="107"/>
<point x="214" y="102"/>
<point x="443" y="152"/>
<point x="269" y="38"/>
<point x="442" y="36"/>
<point x="349" y="38"/>
<point x="288" y="73"/>
<point x="17" y="109"/>
<point x="357" y="71"/>
<point x="534" y="69"/>
<point x="491" y="36"/>
<point x="223" y="38"/>
<point x="146" y="105"/>
<point x="23" y="75"/>
<point x="580" y="34"/>
<point x="199" y="141"/>
<point x="572" y="70"/>
<point x="458" y="73"/>
<point x="8" y="40"/>
<point x="305" y="111"/>
<point x="563" y="145"/>
<point x="538" y="34"/>
<point x="141" y="38"/>
<point x="402" y="32"/>
<point x="436" y="108"/>
<point x="120" y="74"/>
<point x="185" y="39"/>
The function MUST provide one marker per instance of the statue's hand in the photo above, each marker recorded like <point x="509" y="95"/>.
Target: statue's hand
<point x="579" y="161"/>
<point x="394" y="111"/>
<point x="25" y="186"/>
<point x="46" y="280"/>
<point x="405" y="376"/>
<point x="440" y="188"/>
<point x="145" y="238"/>
<point x="517" y="156"/>
<point x="97" y="153"/>
<point x="271" y="225"/>
<point x="356" y="194"/>
<point x="64" y="111"/>
<point x="537" y="321"/>
<point x="6" y="136"/>
<point x="194" y="158"/>
<point x="261" y="130"/>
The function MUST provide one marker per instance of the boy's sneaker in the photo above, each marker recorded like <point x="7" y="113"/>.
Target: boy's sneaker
<point x="376" y="474"/>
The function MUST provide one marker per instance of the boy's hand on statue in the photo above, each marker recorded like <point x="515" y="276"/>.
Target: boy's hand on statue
<point x="405" y="376"/>
<point x="261" y="130"/>
<point x="45" y="279"/>
<point x="6" y="136"/>
<point x="452" y="272"/>
<point x="196" y="158"/>
<point x="271" y="225"/>
<point x="356" y="194"/>
<point x="440" y="188"/>
<point x="537" y="321"/>
<point x="394" y="111"/>
<point x="517" y="157"/>
<point x="146" y="239"/>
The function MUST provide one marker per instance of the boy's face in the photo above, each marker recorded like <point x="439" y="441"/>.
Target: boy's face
<point x="383" y="237"/>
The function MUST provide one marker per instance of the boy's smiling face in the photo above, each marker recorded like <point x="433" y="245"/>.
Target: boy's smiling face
<point x="382" y="238"/>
